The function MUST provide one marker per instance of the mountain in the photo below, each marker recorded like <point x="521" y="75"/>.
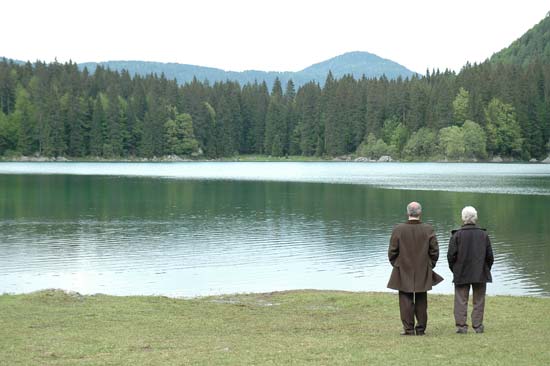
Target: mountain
<point x="533" y="45"/>
<point x="356" y="63"/>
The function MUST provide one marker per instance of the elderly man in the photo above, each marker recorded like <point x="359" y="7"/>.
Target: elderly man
<point x="413" y="253"/>
<point x="470" y="258"/>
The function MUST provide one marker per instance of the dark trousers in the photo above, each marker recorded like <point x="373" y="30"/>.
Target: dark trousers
<point x="461" y="304"/>
<point x="413" y="304"/>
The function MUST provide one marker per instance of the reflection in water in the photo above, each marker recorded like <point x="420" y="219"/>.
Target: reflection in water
<point x="139" y="235"/>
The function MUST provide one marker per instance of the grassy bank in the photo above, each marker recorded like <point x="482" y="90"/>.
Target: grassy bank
<point x="301" y="327"/>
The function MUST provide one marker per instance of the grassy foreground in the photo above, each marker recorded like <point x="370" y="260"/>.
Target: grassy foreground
<point x="298" y="327"/>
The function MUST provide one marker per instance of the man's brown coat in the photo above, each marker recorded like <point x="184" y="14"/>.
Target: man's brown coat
<point x="413" y="253"/>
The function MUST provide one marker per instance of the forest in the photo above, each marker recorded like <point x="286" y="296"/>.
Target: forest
<point x="485" y="110"/>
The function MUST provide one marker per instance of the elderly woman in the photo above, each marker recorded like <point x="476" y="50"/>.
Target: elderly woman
<point x="470" y="259"/>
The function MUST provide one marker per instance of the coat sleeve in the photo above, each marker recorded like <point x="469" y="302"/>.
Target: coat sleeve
<point x="393" y="250"/>
<point x="489" y="257"/>
<point x="434" y="249"/>
<point x="452" y="251"/>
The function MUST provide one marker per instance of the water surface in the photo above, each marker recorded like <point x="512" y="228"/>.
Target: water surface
<point x="187" y="229"/>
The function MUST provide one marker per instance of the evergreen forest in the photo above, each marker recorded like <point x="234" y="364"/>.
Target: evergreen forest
<point x="489" y="109"/>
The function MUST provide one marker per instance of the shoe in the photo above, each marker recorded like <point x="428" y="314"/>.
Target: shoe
<point x="407" y="333"/>
<point x="479" y="329"/>
<point x="420" y="333"/>
<point x="460" y="330"/>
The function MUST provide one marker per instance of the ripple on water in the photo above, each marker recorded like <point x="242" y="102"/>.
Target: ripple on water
<point x="196" y="238"/>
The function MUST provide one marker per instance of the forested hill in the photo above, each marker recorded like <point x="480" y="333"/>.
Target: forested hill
<point x="533" y="45"/>
<point x="353" y="63"/>
<point x="486" y="110"/>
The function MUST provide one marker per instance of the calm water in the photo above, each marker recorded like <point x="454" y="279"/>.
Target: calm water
<point x="187" y="229"/>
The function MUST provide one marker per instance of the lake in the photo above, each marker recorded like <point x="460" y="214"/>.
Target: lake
<point x="193" y="229"/>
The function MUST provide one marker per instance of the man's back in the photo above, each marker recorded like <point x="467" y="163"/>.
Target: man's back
<point x="413" y="252"/>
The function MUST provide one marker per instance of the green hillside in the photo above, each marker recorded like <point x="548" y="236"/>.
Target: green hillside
<point x="532" y="46"/>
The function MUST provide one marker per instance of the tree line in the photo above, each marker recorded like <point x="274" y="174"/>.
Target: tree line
<point x="485" y="110"/>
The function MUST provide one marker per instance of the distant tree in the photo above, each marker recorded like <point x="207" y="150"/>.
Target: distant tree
<point x="208" y="115"/>
<point x="503" y="130"/>
<point x="332" y="118"/>
<point x="292" y="139"/>
<point x="421" y="145"/>
<point x="25" y="114"/>
<point x="97" y="126"/>
<point x="114" y="126"/>
<point x="225" y="146"/>
<point x="395" y="134"/>
<point x="451" y="142"/>
<point x="246" y="144"/>
<point x="8" y="87"/>
<point x="307" y="109"/>
<point x="57" y="143"/>
<point x="419" y="104"/>
<point x="276" y="123"/>
<point x="399" y="138"/>
<point x="390" y="125"/>
<point x="475" y="141"/>
<point x="262" y="103"/>
<point x="374" y="148"/>
<point x="461" y="106"/>
<point x="71" y="110"/>
<point x="8" y="134"/>
<point x="180" y="139"/>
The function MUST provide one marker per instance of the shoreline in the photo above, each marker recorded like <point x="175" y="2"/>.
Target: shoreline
<point x="280" y="292"/>
<point x="260" y="158"/>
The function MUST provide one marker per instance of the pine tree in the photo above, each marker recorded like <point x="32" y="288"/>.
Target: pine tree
<point x="461" y="106"/>
<point x="259" y="120"/>
<point x="114" y="127"/>
<point x="96" y="128"/>
<point x="24" y="109"/>
<point x="74" y="120"/>
<point x="210" y="143"/>
<point x="8" y="86"/>
<point x="275" y="123"/>
<point x="307" y="109"/>
<point x="291" y="137"/>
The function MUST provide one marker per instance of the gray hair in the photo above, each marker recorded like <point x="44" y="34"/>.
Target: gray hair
<point x="414" y="209"/>
<point x="469" y="215"/>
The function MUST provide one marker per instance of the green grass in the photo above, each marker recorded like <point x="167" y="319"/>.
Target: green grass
<point x="298" y="327"/>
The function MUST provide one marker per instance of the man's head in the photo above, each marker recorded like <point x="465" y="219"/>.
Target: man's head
<point x="414" y="210"/>
<point x="469" y="215"/>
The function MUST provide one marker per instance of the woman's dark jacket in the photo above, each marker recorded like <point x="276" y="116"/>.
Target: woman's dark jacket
<point x="470" y="255"/>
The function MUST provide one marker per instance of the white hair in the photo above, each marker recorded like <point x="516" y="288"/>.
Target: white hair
<point x="469" y="215"/>
<point x="414" y="209"/>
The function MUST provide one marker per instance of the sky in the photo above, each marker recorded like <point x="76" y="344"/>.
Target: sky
<point x="268" y="35"/>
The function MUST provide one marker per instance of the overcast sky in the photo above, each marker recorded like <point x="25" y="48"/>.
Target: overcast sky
<point x="282" y="35"/>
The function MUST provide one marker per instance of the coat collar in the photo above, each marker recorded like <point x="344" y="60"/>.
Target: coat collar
<point x="414" y="222"/>
<point x="468" y="227"/>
